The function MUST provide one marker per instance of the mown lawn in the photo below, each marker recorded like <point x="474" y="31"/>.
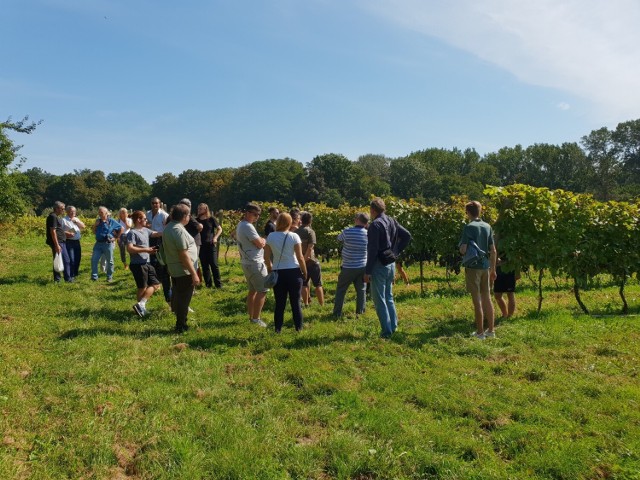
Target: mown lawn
<point x="88" y="390"/>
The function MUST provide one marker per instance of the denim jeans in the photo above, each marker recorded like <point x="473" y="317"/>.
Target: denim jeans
<point x="74" y="250"/>
<point x="100" y="249"/>
<point x="382" y="295"/>
<point x="347" y="277"/>
<point x="65" y="261"/>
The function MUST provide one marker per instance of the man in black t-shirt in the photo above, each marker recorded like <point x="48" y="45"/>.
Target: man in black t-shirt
<point x="270" y="226"/>
<point x="56" y="239"/>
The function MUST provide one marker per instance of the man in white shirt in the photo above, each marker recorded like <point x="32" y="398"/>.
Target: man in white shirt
<point x="156" y="221"/>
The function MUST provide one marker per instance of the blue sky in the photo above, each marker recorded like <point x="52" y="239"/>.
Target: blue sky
<point x="159" y="86"/>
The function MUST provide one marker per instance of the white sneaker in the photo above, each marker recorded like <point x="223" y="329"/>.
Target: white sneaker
<point x="488" y="334"/>
<point x="191" y="310"/>
<point x="479" y="336"/>
<point x="259" y="322"/>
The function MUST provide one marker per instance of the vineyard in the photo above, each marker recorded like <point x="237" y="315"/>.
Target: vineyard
<point x="539" y="231"/>
<point x="90" y="390"/>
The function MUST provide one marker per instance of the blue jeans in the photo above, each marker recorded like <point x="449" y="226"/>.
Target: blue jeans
<point x="382" y="295"/>
<point x="100" y="249"/>
<point x="65" y="261"/>
<point x="75" y="252"/>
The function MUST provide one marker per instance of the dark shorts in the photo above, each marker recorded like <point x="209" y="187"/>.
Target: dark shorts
<point x="314" y="274"/>
<point x="505" y="282"/>
<point x="144" y="275"/>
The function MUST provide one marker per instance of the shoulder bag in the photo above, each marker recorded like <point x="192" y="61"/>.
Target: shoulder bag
<point x="272" y="278"/>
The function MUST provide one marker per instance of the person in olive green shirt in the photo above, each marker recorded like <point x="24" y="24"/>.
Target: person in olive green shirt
<point x="181" y="255"/>
<point x="479" y="278"/>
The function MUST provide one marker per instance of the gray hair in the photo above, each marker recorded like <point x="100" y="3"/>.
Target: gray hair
<point x="185" y="201"/>
<point x="179" y="212"/>
<point x="58" y="204"/>
<point x="362" y="218"/>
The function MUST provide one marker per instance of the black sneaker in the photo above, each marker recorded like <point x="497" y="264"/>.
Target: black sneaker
<point x="138" y="310"/>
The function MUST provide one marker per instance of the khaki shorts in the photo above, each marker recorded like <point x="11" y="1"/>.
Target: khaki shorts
<point x="255" y="274"/>
<point x="477" y="281"/>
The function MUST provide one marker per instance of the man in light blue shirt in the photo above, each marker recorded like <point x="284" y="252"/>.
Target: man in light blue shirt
<point x="107" y="231"/>
<point x="354" y="261"/>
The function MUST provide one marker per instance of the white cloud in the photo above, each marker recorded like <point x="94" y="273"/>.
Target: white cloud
<point x="563" y="106"/>
<point x="588" y="48"/>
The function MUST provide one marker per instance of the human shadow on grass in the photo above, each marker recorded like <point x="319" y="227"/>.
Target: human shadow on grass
<point x="25" y="279"/>
<point x="449" y="328"/>
<point x="447" y="291"/>
<point x="302" y="342"/>
<point x="211" y="342"/>
<point x="94" y="332"/>
<point x="229" y="306"/>
<point x="107" y="313"/>
<point x="297" y="343"/>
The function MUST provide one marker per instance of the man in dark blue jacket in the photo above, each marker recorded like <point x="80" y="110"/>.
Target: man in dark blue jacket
<point x="386" y="238"/>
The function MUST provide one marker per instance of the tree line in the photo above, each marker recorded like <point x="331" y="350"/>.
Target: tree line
<point x="606" y="163"/>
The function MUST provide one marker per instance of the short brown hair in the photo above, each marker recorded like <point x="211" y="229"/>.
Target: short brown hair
<point x="305" y="218"/>
<point x="378" y="205"/>
<point x="473" y="208"/>
<point x="137" y="214"/>
<point x="252" y="207"/>
<point x="283" y="222"/>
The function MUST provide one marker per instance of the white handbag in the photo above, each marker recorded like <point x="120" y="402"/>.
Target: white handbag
<point x="58" y="264"/>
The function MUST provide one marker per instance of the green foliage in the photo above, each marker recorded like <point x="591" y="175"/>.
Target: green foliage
<point x="566" y="233"/>
<point x="329" y="222"/>
<point x="12" y="201"/>
<point x="127" y="189"/>
<point x="33" y="184"/>
<point x="607" y="165"/>
<point x="268" y="180"/>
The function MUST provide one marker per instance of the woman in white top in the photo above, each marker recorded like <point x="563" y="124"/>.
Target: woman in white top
<point x="73" y="227"/>
<point x="126" y="223"/>
<point x="283" y="252"/>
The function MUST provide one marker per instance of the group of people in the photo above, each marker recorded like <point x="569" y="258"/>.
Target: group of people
<point x="368" y="255"/>
<point x="174" y="251"/>
<point x="188" y="248"/>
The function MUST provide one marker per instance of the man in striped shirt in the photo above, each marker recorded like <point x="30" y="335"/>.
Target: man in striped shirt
<point x="354" y="260"/>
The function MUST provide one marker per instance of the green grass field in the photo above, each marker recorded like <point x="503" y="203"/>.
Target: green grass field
<point x="89" y="390"/>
